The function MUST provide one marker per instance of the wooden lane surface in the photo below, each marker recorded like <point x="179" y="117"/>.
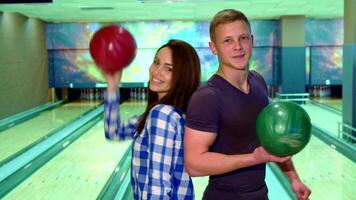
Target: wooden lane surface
<point x="328" y="173"/>
<point x="81" y="170"/>
<point x="335" y="103"/>
<point x="325" y="120"/>
<point x="20" y="136"/>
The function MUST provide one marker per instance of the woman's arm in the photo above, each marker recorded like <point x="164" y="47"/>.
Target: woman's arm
<point x="112" y="124"/>
<point x="114" y="130"/>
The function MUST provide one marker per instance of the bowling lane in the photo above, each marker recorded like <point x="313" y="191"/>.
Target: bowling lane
<point x="335" y="103"/>
<point x="81" y="170"/>
<point x="15" y="139"/>
<point x="323" y="119"/>
<point x="328" y="173"/>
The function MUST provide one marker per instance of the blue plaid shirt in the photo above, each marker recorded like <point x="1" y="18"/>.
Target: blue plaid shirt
<point x="157" y="168"/>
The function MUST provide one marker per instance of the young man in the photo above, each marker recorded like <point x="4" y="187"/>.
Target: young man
<point x="220" y="138"/>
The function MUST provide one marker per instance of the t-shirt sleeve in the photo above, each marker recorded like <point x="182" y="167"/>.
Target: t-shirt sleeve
<point x="261" y="80"/>
<point x="203" y="112"/>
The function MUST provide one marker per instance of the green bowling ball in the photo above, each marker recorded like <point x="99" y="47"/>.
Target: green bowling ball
<point x="283" y="128"/>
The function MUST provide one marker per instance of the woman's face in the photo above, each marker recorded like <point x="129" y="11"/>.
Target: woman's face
<point x="161" y="72"/>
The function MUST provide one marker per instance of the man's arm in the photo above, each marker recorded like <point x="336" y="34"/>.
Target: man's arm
<point x="301" y="190"/>
<point x="199" y="161"/>
<point x="289" y="170"/>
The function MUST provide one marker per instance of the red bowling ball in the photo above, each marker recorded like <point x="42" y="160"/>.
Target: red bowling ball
<point x="112" y="48"/>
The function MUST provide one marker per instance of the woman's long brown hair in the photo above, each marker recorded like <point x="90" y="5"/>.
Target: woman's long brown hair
<point x="185" y="79"/>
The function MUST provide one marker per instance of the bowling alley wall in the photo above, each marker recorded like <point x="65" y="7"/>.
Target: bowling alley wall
<point x="70" y="64"/>
<point x="36" y="55"/>
<point x="23" y="64"/>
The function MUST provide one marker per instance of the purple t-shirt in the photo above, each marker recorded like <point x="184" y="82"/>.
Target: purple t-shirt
<point x="219" y="107"/>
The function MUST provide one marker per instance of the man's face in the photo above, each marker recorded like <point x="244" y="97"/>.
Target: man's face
<point x="233" y="45"/>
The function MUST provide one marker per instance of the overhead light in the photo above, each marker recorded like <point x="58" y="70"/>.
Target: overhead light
<point x="24" y="1"/>
<point x="161" y="1"/>
<point x="97" y="8"/>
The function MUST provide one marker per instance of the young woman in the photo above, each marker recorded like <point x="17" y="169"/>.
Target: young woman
<point x="157" y="166"/>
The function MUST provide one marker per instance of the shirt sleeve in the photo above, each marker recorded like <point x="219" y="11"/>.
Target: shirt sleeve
<point x="203" y="111"/>
<point x="161" y="125"/>
<point x="180" y="176"/>
<point x="114" y="130"/>
<point x="260" y="80"/>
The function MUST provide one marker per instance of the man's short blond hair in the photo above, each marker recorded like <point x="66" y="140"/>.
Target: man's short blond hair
<point x="226" y="16"/>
